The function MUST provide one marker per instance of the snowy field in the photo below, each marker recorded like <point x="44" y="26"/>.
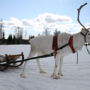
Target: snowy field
<point x="76" y="76"/>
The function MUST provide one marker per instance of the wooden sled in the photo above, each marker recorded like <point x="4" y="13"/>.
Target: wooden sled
<point x="10" y="61"/>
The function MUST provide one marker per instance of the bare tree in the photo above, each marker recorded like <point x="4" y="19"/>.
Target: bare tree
<point x="1" y="29"/>
<point x="46" y="32"/>
<point x="19" y="32"/>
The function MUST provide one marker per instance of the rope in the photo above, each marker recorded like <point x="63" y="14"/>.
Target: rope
<point x="87" y="49"/>
<point x="3" y="63"/>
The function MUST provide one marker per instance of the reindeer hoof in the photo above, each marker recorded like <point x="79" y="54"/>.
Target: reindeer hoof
<point x="42" y="71"/>
<point x="22" y="76"/>
<point x="60" y="74"/>
<point x="55" y="76"/>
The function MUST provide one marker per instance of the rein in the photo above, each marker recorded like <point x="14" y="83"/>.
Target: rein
<point x="87" y="49"/>
<point x="27" y="59"/>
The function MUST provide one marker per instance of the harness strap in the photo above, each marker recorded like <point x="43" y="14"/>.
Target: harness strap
<point x="71" y="44"/>
<point x="55" y="44"/>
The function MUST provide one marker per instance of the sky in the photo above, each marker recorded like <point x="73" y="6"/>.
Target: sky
<point x="34" y="16"/>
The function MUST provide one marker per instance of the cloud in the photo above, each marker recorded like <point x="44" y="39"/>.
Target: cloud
<point x="54" y="18"/>
<point x="14" y="22"/>
<point x="53" y="21"/>
<point x="46" y="20"/>
<point x="87" y="25"/>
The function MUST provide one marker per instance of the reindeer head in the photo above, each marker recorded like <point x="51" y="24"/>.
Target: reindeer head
<point x="88" y="37"/>
<point x="85" y="31"/>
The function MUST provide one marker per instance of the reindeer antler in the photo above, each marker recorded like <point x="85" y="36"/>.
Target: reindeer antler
<point x="79" y="15"/>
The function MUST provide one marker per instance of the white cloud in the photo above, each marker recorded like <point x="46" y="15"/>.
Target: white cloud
<point x="88" y="25"/>
<point x="14" y="22"/>
<point x="54" y="18"/>
<point x="46" y="20"/>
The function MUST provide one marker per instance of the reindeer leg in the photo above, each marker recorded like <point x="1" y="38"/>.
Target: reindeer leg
<point x="23" y="74"/>
<point x="60" y="67"/>
<point x="55" y="74"/>
<point x="39" y="65"/>
<point x="41" y="70"/>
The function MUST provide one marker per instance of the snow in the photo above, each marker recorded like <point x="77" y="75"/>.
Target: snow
<point x="76" y="76"/>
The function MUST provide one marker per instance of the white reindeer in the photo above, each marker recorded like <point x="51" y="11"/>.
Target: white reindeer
<point x="43" y="45"/>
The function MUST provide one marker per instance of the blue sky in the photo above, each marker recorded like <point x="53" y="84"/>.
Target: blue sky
<point x="31" y="9"/>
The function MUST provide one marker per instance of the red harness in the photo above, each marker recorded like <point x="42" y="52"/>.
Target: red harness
<point x="55" y="44"/>
<point x="71" y="44"/>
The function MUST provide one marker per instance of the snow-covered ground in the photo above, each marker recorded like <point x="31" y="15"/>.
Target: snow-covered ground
<point x="76" y="76"/>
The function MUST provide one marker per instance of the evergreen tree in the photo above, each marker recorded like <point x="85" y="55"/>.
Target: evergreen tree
<point x="14" y="40"/>
<point x="9" y="40"/>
